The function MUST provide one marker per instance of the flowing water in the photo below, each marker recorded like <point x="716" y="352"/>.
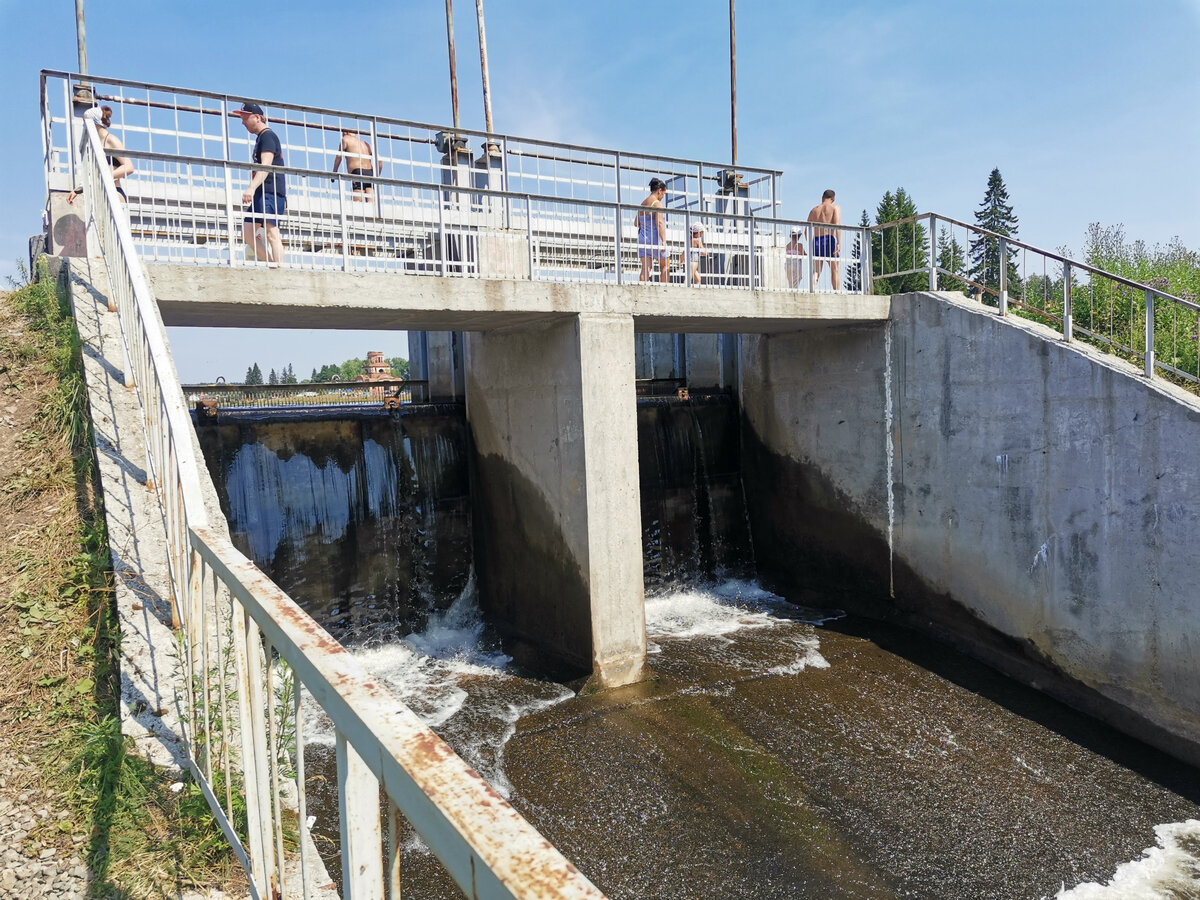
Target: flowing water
<point x="781" y="750"/>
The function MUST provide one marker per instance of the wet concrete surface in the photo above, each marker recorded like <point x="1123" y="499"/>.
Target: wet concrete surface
<point x="844" y="760"/>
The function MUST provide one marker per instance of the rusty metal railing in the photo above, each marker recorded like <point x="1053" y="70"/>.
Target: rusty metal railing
<point x="251" y="659"/>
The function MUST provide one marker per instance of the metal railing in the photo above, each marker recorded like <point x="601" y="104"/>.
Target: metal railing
<point x="183" y="122"/>
<point x="388" y="393"/>
<point x="1129" y="319"/>
<point x="253" y="661"/>
<point x="188" y="210"/>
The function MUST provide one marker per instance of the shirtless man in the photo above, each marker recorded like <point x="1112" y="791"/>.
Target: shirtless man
<point x="825" y="243"/>
<point x="358" y="162"/>
<point x="652" y="233"/>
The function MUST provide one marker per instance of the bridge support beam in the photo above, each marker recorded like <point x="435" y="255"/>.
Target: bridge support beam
<point x="552" y="413"/>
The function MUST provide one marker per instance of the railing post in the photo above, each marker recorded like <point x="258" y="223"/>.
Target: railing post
<point x="345" y="226"/>
<point x="617" y="233"/>
<point x="687" y="246"/>
<point x="1002" y="301"/>
<point x="504" y="174"/>
<point x="750" y="261"/>
<point x="1067" y="326"/>
<point x="1149" y="334"/>
<point x="812" y="263"/>
<point x="442" y="230"/>
<point x="617" y="175"/>
<point x="230" y="221"/>
<point x="868" y="267"/>
<point x="933" y="252"/>
<point x="358" y="808"/>
<point x="529" y="232"/>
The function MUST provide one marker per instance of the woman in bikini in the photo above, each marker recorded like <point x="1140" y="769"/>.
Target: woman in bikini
<point x="652" y="243"/>
<point x="121" y="165"/>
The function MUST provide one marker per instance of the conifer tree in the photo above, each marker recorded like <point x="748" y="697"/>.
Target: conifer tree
<point x="951" y="258"/>
<point x="853" y="279"/>
<point x="273" y="378"/>
<point x="899" y="249"/>
<point x="995" y="214"/>
<point x="254" y="375"/>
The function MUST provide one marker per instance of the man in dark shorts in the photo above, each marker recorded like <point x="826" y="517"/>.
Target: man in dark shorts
<point x="825" y="245"/>
<point x="358" y="162"/>
<point x="267" y="193"/>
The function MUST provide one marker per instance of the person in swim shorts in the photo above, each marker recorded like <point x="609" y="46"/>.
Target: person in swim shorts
<point x="652" y="233"/>
<point x="121" y="165"/>
<point x="825" y="245"/>
<point x="358" y="162"/>
<point x="266" y="194"/>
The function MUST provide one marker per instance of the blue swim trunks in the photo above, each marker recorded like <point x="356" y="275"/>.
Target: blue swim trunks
<point x="823" y="245"/>
<point x="267" y="208"/>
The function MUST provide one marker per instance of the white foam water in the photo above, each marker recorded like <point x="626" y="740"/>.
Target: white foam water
<point x="455" y="686"/>
<point x="1168" y="871"/>
<point x="739" y="625"/>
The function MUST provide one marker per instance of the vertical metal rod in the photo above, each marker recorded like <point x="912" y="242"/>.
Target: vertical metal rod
<point x="483" y="64"/>
<point x="345" y="226"/>
<point x="1149" y="334"/>
<point x="1067" y="326"/>
<point x="453" y="64"/>
<point x="732" y="85"/>
<point x="617" y="249"/>
<point x="361" y="834"/>
<point x="442" y="233"/>
<point x="867" y="273"/>
<point x="81" y="37"/>
<point x="750" y="262"/>
<point x="933" y="253"/>
<point x="1003" y="300"/>
<point x="529" y="232"/>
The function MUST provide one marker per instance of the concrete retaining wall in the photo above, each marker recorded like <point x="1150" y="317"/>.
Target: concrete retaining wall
<point x="1033" y="500"/>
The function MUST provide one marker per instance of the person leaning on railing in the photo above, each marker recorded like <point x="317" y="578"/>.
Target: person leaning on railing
<point x="101" y="116"/>
<point x="267" y="193"/>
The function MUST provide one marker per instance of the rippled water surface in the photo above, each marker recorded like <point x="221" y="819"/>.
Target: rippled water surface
<point x="782" y="752"/>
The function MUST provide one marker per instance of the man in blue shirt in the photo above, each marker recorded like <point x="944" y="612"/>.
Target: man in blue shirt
<point x="267" y="193"/>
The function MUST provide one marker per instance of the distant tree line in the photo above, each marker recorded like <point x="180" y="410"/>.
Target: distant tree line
<point x="346" y="371"/>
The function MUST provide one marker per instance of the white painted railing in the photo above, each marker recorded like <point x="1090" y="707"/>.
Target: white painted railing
<point x="247" y="650"/>
<point x="188" y="210"/>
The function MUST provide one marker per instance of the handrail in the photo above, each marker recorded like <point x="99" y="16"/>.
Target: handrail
<point x="1112" y="322"/>
<point x="497" y="136"/>
<point x="1049" y="254"/>
<point x="237" y="625"/>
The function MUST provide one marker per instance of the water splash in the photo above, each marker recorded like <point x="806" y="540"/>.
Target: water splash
<point x="739" y="626"/>
<point x="1169" y="871"/>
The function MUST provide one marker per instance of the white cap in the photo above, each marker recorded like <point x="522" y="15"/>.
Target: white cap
<point x="796" y="229"/>
<point x="696" y="226"/>
<point x="93" y="114"/>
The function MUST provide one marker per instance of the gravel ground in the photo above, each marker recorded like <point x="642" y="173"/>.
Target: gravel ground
<point x="29" y="867"/>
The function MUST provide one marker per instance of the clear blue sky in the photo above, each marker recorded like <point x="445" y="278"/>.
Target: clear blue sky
<point x="1090" y="108"/>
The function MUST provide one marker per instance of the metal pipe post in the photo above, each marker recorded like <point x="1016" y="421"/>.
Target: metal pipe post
<point x="81" y="37"/>
<point x="1003" y="299"/>
<point x="1149" y="354"/>
<point x="1067" y="326"/>
<point x="933" y="253"/>
<point x="483" y="64"/>
<point x="453" y="64"/>
<point x="732" y="85"/>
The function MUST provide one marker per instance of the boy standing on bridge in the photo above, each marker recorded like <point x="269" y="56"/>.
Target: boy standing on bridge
<point x="825" y="243"/>
<point x="358" y="162"/>
<point x="267" y="193"/>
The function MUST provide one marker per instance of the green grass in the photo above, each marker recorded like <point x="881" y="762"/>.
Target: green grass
<point x="59" y="638"/>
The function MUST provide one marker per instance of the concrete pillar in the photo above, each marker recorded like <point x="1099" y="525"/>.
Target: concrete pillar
<point x="557" y="522"/>
<point x="436" y="357"/>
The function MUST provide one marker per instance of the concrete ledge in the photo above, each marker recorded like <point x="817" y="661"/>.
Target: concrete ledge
<point x="286" y="298"/>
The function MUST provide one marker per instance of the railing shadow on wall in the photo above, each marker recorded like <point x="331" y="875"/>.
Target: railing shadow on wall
<point x="253" y="661"/>
<point x="1137" y="322"/>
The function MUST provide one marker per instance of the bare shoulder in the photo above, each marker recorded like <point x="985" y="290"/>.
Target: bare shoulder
<point x="837" y="214"/>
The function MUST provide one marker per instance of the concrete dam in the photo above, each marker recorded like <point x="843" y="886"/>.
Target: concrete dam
<point x="887" y="596"/>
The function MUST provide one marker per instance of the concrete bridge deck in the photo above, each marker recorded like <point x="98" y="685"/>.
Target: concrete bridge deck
<point x="256" y="298"/>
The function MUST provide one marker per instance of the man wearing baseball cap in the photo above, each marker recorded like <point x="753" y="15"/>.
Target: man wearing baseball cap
<point x="267" y="193"/>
